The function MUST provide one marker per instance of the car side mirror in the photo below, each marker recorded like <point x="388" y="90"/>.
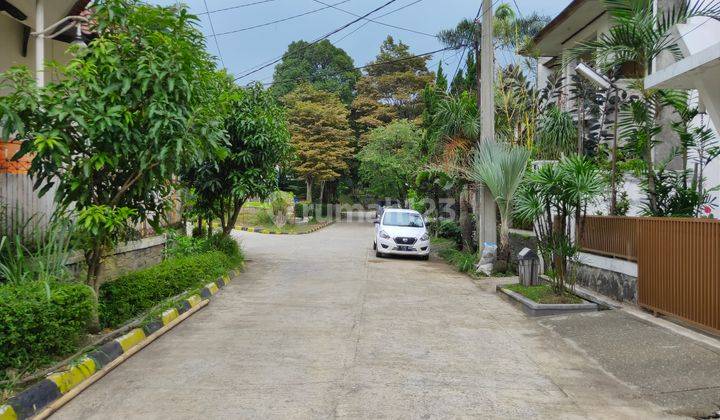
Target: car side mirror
<point x="376" y="221"/>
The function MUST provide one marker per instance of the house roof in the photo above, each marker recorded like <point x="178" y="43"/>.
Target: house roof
<point x="549" y="42"/>
<point x="54" y="10"/>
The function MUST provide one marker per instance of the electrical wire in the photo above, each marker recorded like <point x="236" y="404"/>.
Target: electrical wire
<point x="366" y="23"/>
<point x="309" y="12"/>
<point x="378" y="22"/>
<point x="301" y="79"/>
<point x="207" y="12"/>
<point x="212" y="28"/>
<point x="352" y="22"/>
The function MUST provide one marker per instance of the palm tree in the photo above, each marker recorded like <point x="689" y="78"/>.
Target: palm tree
<point x="458" y="131"/>
<point x="500" y="167"/>
<point x="637" y="37"/>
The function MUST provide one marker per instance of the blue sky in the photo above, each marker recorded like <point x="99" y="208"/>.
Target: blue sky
<point x="244" y="50"/>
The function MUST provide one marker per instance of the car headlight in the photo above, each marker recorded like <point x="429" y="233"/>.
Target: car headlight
<point x="425" y="237"/>
<point x="384" y="235"/>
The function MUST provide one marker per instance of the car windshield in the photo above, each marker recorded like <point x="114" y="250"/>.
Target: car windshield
<point x="404" y="219"/>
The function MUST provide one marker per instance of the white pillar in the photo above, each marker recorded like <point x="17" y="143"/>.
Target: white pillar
<point x="40" y="42"/>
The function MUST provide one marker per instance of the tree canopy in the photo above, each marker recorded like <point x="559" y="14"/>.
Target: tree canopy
<point x="322" y="64"/>
<point x="126" y="114"/>
<point x="391" y="87"/>
<point x="321" y="134"/>
<point x="389" y="161"/>
<point x="257" y="142"/>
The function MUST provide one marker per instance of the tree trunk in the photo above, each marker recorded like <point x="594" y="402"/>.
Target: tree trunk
<point x="613" y="170"/>
<point x="322" y="191"/>
<point x="200" y="227"/>
<point x="232" y="218"/>
<point x="652" y="189"/>
<point x="465" y="221"/>
<point x="308" y="189"/>
<point x="93" y="259"/>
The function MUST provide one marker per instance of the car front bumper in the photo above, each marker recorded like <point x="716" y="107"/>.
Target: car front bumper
<point x="388" y="246"/>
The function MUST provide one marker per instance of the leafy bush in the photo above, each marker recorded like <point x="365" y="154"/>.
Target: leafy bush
<point x="41" y="321"/>
<point x="225" y="244"/>
<point x="464" y="262"/>
<point x="35" y="252"/>
<point x="182" y="246"/>
<point x="134" y="293"/>
<point x="263" y="217"/>
<point x="449" y="229"/>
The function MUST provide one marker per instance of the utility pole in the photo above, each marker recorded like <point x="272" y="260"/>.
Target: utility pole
<point x="40" y="43"/>
<point x="485" y="203"/>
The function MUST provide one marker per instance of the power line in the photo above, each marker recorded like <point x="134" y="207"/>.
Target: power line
<point x="264" y="66"/>
<point x="383" y="15"/>
<point x="281" y="20"/>
<point x="212" y="28"/>
<point x="208" y="12"/>
<point x="378" y="22"/>
<point x="300" y="79"/>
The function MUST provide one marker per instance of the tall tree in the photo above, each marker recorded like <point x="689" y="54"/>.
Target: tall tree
<point x="257" y="143"/>
<point x="126" y="115"/>
<point x="441" y="81"/>
<point x="388" y="162"/>
<point x="320" y="134"/>
<point x="322" y="64"/>
<point x="391" y="87"/>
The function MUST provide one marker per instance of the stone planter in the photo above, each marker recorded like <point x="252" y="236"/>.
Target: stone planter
<point x="533" y="308"/>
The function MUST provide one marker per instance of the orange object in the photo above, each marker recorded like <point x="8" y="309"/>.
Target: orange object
<point x="9" y="166"/>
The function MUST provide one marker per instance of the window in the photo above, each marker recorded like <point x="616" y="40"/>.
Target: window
<point x="403" y="219"/>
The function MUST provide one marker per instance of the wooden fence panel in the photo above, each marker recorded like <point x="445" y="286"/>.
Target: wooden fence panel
<point x="611" y="236"/>
<point x="679" y="269"/>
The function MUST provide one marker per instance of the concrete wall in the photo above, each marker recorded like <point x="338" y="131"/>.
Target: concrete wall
<point x="126" y="258"/>
<point x="611" y="277"/>
<point x="520" y="239"/>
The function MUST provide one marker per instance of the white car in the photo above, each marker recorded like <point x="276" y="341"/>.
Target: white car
<point x="401" y="232"/>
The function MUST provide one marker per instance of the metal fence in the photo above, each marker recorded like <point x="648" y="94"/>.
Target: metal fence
<point x="679" y="268"/>
<point x="611" y="236"/>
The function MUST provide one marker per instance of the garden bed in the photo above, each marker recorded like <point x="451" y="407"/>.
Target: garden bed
<point x="288" y="229"/>
<point x="539" y="300"/>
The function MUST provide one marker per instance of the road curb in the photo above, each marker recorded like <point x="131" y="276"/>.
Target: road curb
<point x="36" y="398"/>
<point x="267" y="231"/>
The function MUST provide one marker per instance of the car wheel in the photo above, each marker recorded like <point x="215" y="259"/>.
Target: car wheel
<point x="425" y="257"/>
<point x="374" y="246"/>
<point x="379" y="254"/>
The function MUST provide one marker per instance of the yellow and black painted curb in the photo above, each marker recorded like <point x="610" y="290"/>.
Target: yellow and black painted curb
<point x="32" y="400"/>
<point x="278" y="232"/>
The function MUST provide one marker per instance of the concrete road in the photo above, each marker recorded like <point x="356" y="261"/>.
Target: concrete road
<point x="317" y="327"/>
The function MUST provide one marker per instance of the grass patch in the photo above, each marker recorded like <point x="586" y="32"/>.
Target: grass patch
<point x="543" y="294"/>
<point x="463" y="261"/>
<point x="288" y="228"/>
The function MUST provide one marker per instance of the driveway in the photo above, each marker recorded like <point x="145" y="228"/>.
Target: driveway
<point x="317" y="327"/>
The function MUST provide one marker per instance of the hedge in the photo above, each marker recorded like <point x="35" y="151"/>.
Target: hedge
<point x="137" y="292"/>
<point x="35" y="328"/>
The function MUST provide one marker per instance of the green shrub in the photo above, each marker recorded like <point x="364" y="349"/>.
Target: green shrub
<point x="36" y="328"/>
<point x="135" y="293"/>
<point x="181" y="246"/>
<point x="449" y="229"/>
<point x="225" y="244"/>
<point x="463" y="261"/>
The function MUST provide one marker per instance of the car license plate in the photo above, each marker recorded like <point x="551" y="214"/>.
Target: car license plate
<point x="405" y="248"/>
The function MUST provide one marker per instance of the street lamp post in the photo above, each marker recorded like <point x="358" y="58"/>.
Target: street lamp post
<point x="51" y="32"/>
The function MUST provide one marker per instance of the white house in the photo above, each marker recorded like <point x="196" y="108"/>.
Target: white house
<point x="19" y="19"/>
<point x="585" y="20"/>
